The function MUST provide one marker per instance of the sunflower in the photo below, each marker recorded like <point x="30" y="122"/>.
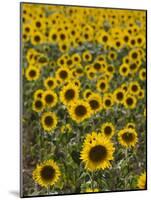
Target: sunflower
<point x="134" y="88"/>
<point x="119" y="95"/>
<point x="32" y="73"/>
<point x="108" y="101"/>
<point x="50" y="98"/>
<point x="124" y="70"/>
<point x="97" y="152"/>
<point x="38" y="105"/>
<point x="127" y="137"/>
<point x="141" y="94"/>
<point x="69" y="93"/>
<point x="66" y="128"/>
<point x="48" y="121"/>
<point x="141" y="183"/>
<point x="38" y="93"/>
<point x="108" y="129"/>
<point x="142" y="74"/>
<point x="50" y="83"/>
<point x="87" y="56"/>
<point x="87" y="93"/>
<point x="80" y="110"/>
<point x="63" y="74"/>
<point x="102" y="85"/>
<point x="89" y="190"/>
<point x="130" y="125"/>
<point x="130" y="101"/>
<point x="47" y="173"/>
<point x="95" y="102"/>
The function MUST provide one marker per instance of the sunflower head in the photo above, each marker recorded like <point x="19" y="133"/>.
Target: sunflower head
<point x="108" y="129"/>
<point x="80" y="110"/>
<point x="95" y="102"/>
<point x="141" y="183"/>
<point x="47" y="173"/>
<point x="127" y="137"/>
<point x="50" y="98"/>
<point x="69" y="93"/>
<point x="32" y="73"/>
<point x="48" y="121"/>
<point x="97" y="152"/>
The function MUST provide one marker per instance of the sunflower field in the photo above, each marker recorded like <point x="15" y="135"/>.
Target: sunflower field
<point x="83" y="77"/>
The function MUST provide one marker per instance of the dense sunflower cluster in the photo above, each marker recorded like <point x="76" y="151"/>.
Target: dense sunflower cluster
<point x="84" y="73"/>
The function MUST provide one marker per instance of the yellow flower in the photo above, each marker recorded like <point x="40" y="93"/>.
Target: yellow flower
<point x="32" y="73"/>
<point x="50" y="98"/>
<point x="69" y="93"/>
<point x="102" y="85"/>
<point x="48" y="121"/>
<point x="119" y="95"/>
<point x="127" y="137"/>
<point x="95" y="102"/>
<point x="142" y="74"/>
<point x="97" y="152"/>
<point x="141" y="183"/>
<point x="108" y="101"/>
<point x="89" y="190"/>
<point x="50" y="83"/>
<point x="47" y="173"/>
<point x="130" y="101"/>
<point x="38" y="105"/>
<point x="80" y="110"/>
<point x="108" y="129"/>
<point x="134" y="88"/>
<point x="38" y="93"/>
<point x="63" y="74"/>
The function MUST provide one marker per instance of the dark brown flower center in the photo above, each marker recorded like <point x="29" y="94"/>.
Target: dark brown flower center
<point x="120" y="96"/>
<point x="129" y="101"/>
<point x="98" y="153"/>
<point x="107" y="102"/>
<point x="38" y="104"/>
<point x="69" y="95"/>
<point x="128" y="137"/>
<point x="107" y="130"/>
<point x="134" y="88"/>
<point x="48" y="120"/>
<point x="49" y="98"/>
<point x="80" y="110"/>
<point x="94" y="104"/>
<point x="63" y="74"/>
<point x="47" y="173"/>
<point x="32" y="73"/>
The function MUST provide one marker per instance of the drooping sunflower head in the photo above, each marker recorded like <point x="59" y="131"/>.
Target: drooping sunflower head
<point x="141" y="183"/>
<point x="69" y="93"/>
<point x="50" y="98"/>
<point x="97" y="152"/>
<point x="32" y="73"/>
<point x="108" y="129"/>
<point x="80" y="110"/>
<point x="130" y="125"/>
<point x="48" y="121"/>
<point x="47" y="173"/>
<point x="95" y="102"/>
<point x="127" y="137"/>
